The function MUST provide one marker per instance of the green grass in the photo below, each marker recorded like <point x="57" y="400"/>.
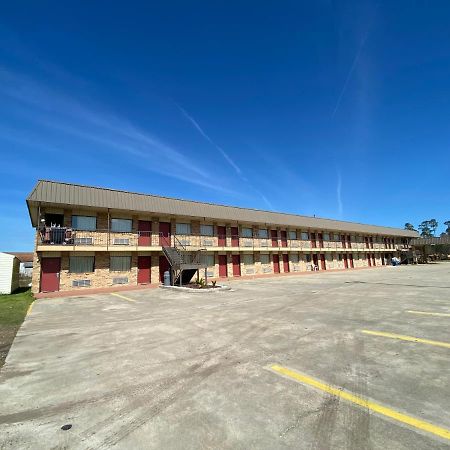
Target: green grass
<point x="13" y="307"/>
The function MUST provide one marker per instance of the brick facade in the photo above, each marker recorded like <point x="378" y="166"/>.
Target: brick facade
<point x="105" y="244"/>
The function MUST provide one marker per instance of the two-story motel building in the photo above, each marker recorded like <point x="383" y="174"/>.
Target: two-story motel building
<point x="90" y="237"/>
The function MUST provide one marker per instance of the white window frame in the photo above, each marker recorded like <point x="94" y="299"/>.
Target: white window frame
<point x="120" y="225"/>
<point x="246" y="259"/>
<point x="123" y="259"/>
<point x="92" y="227"/>
<point x="183" y="228"/>
<point x="267" y="261"/>
<point x="206" y="230"/>
<point x="73" y="260"/>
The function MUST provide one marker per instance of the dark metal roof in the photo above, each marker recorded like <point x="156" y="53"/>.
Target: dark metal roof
<point x="431" y="241"/>
<point x="56" y="193"/>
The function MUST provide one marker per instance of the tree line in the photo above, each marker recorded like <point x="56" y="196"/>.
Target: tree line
<point x="428" y="228"/>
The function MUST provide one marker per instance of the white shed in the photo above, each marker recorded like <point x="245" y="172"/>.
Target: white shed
<point x="9" y="273"/>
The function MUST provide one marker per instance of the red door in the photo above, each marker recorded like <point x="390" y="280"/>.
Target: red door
<point x="315" y="260"/>
<point x="274" y="236"/>
<point x="235" y="238"/>
<point x="367" y="242"/>
<point x="222" y="236"/>
<point x="145" y="233"/>
<point x="345" y="261"/>
<point x="352" y="265"/>
<point x="144" y="269"/>
<point x="343" y="240"/>
<point x="276" y="264"/>
<point x="371" y="242"/>
<point x="313" y="240"/>
<point x="323" y="264"/>
<point x="368" y="260"/>
<point x="163" y="266"/>
<point x="373" y="260"/>
<point x="285" y="263"/>
<point x="164" y="234"/>
<point x="50" y="268"/>
<point x="223" y="271"/>
<point x="236" y="265"/>
<point x="320" y="236"/>
<point x="349" y="241"/>
<point x="382" y="259"/>
<point x="283" y="236"/>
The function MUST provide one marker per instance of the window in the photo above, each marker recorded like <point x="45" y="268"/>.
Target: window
<point x="246" y="232"/>
<point x="81" y="264"/>
<point x="292" y="235"/>
<point x="263" y="233"/>
<point x="210" y="260"/>
<point x="294" y="258"/>
<point x="305" y="236"/>
<point x="326" y="236"/>
<point x="265" y="259"/>
<point x="120" y="263"/>
<point x="124" y="225"/>
<point x="183" y="228"/>
<point x="206" y="230"/>
<point x="247" y="260"/>
<point x="86" y="223"/>
<point x="308" y="258"/>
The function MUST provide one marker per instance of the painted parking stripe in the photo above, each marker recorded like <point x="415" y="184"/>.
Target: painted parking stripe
<point x="428" y="313"/>
<point x="123" y="297"/>
<point x="367" y="404"/>
<point x="407" y="338"/>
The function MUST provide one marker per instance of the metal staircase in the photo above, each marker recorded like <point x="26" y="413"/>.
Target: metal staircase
<point x="184" y="263"/>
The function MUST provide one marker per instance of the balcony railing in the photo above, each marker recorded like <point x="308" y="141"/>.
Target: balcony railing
<point x="60" y="236"/>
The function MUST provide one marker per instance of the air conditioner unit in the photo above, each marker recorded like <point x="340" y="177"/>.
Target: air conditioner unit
<point x="267" y="269"/>
<point x="249" y="271"/>
<point x="81" y="283"/>
<point x="247" y="243"/>
<point x="120" y="280"/>
<point x="84" y="241"/>
<point x="185" y="242"/>
<point x="121" y="241"/>
<point x="207" y="242"/>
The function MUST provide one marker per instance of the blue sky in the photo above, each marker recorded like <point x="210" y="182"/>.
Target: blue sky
<point x="338" y="109"/>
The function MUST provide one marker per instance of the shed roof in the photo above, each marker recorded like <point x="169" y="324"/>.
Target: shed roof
<point x="22" y="256"/>
<point x="57" y="193"/>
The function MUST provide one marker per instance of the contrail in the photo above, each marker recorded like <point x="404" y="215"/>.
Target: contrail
<point x="350" y="72"/>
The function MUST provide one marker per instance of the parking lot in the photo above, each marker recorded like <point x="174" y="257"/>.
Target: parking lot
<point x="356" y="359"/>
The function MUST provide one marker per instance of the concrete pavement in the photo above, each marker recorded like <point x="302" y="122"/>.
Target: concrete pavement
<point x="164" y="369"/>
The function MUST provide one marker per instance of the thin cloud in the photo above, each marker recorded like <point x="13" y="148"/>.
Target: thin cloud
<point x="349" y="75"/>
<point x="218" y="147"/>
<point x="224" y="154"/>
<point x="65" y="114"/>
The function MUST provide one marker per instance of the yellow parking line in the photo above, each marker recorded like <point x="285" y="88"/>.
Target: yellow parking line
<point x="368" y="404"/>
<point x="407" y="338"/>
<point x="426" y="313"/>
<point x="123" y="296"/>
